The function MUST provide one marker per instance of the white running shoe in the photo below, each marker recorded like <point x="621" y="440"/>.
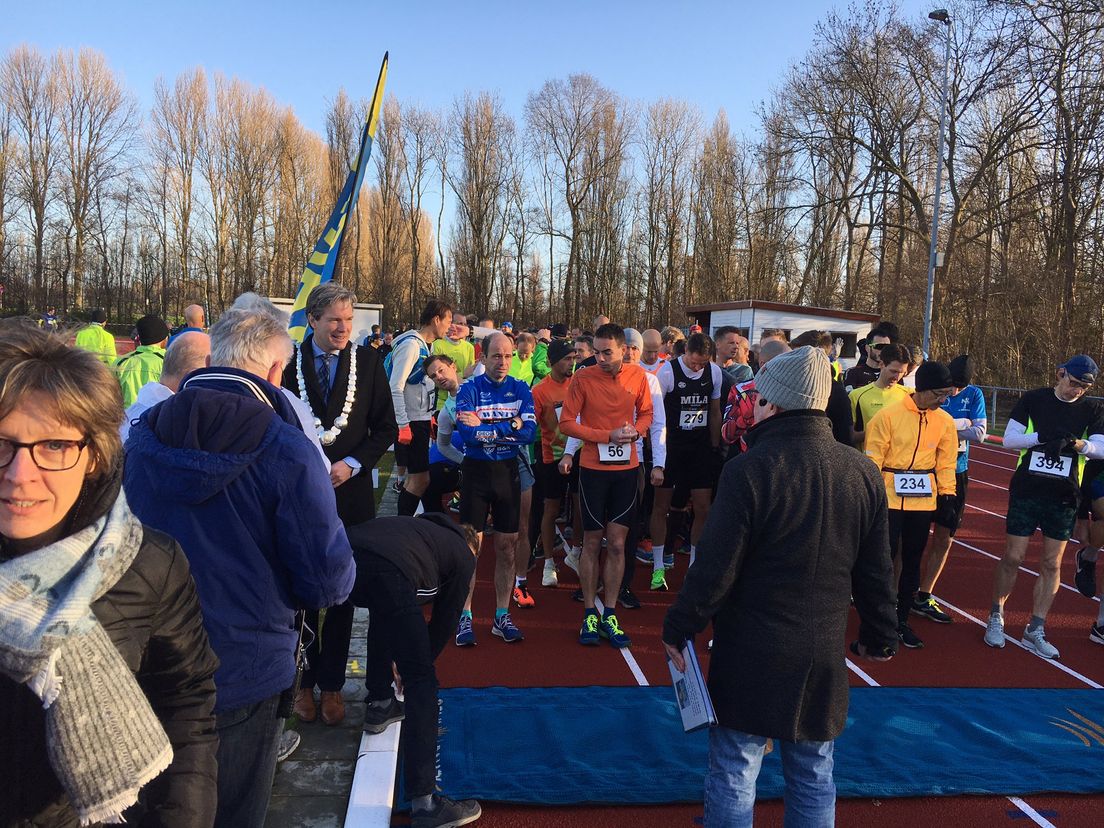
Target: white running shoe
<point x="1035" y="640"/>
<point x="551" y="577"/>
<point x="572" y="558"/>
<point x="994" y="631"/>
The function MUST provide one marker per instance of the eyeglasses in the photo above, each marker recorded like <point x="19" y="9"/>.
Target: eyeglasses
<point x="1078" y="383"/>
<point x="877" y="347"/>
<point x="48" y="455"/>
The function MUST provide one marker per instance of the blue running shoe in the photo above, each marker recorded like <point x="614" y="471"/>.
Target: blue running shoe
<point x="588" y="635"/>
<point x="643" y="556"/>
<point x="504" y="628"/>
<point x="668" y="560"/>
<point x="465" y="635"/>
<point x="610" y="629"/>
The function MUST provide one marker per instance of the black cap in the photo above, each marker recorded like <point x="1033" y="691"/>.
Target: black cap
<point x="99" y="315"/>
<point x="558" y="349"/>
<point x="151" y="330"/>
<point x="962" y="370"/>
<point x="559" y="331"/>
<point x="932" y="375"/>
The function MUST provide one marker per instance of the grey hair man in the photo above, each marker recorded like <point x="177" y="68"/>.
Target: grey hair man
<point x="223" y="467"/>
<point x="186" y="353"/>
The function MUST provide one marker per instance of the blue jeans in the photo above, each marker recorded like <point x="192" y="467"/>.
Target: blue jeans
<point x="734" y="762"/>
<point x="249" y="737"/>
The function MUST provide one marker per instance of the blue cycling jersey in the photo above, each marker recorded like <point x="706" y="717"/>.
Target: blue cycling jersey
<point x="497" y="404"/>
<point x="969" y="404"/>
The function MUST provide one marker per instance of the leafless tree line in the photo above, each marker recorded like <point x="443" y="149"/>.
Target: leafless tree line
<point x="591" y="202"/>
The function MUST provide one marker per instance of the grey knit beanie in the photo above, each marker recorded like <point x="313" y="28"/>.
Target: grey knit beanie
<point x="800" y="379"/>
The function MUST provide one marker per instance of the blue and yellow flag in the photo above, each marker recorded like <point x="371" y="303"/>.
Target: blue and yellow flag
<point x="320" y="266"/>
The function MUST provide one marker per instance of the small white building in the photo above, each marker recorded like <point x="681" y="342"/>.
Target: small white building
<point x="752" y="316"/>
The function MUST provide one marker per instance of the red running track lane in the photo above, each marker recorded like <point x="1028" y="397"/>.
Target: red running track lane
<point x="954" y="656"/>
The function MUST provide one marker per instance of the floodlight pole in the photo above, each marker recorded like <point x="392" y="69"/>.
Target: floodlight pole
<point x="943" y="17"/>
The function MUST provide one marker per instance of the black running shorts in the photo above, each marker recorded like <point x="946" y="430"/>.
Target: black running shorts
<point x="607" y="496"/>
<point x="417" y="452"/>
<point x="691" y="467"/>
<point x="491" y="487"/>
<point x="960" y="504"/>
<point x="554" y="484"/>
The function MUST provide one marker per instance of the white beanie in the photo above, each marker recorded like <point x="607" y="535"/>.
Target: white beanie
<point x="797" y="380"/>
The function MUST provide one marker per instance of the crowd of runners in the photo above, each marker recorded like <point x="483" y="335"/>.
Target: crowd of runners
<point x="194" y="575"/>
<point x="600" y="449"/>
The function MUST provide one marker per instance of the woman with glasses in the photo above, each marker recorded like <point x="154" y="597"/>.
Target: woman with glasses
<point x="106" y="676"/>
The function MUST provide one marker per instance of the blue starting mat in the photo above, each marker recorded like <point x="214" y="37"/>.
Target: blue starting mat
<point x="560" y="746"/>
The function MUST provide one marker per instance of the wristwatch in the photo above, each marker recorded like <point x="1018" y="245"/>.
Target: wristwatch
<point x="515" y="425"/>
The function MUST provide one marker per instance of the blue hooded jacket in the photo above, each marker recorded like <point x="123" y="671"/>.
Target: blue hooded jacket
<point x="220" y="467"/>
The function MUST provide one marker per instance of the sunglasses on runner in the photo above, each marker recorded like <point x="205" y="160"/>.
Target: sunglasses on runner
<point x="1077" y="383"/>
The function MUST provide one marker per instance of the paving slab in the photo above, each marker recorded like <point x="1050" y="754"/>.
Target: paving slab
<point x="311" y="789"/>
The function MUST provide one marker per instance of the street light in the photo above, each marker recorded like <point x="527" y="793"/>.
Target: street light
<point x="942" y="16"/>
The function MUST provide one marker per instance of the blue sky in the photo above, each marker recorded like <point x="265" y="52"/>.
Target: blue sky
<point x="713" y="54"/>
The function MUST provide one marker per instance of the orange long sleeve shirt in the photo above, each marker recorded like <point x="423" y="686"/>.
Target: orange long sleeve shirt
<point x="602" y="403"/>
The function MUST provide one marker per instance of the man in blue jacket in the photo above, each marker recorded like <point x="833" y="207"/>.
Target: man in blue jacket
<point x="495" y="418"/>
<point x="224" y="468"/>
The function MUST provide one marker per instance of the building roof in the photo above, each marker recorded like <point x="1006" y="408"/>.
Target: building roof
<point x="804" y="310"/>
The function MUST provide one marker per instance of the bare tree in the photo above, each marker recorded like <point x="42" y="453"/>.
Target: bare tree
<point x="28" y="84"/>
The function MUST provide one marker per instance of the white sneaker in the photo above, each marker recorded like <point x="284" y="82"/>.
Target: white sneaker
<point x="572" y="558"/>
<point x="551" y="578"/>
<point x="994" y="631"/>
<point x="1035" y="640"/>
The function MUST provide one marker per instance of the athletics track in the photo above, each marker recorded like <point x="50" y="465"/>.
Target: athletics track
<point x="954" y="656"/>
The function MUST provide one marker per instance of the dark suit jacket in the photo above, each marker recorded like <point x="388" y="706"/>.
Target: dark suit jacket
<point x="372" y="427"/>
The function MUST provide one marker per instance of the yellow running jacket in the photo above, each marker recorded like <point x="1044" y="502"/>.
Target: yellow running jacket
<point x="916" y="451"/>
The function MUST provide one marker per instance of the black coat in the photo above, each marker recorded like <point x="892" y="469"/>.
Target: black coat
<point x="432" y="553"/>
<point x="152" y="616"/>
<point x="798" y="523"/>
<point x="372" y="427"/>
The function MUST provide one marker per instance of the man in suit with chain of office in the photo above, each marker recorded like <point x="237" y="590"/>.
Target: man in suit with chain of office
<point x="346" y="388"/>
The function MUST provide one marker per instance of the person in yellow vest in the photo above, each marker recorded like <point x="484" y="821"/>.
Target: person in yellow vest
<point x="522" y="364"/>
<point x="868" y="400"/>
<point x="144" y="363"/>
<point x="96" y="339"/>
<point x="915" y="445"/>
<point x="455" y="346"/>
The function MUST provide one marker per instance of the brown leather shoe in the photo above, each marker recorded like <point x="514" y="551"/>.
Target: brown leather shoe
<point x="304" y="706"/>
<point x="333" y="707"/>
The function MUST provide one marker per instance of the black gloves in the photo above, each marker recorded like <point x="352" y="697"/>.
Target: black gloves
<point x="945" y="507"/>
<point x="1056" y="445"/>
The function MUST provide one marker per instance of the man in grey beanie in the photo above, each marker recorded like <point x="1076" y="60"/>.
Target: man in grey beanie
<point x="774" y="573"/>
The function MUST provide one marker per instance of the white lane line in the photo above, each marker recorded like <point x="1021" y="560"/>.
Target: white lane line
<point x="987" y="483"/>
<point x="986" y="511"/>
<point x="1022" y="568"/>
<point x="634" y="668"/>
<point x="1056" y="664"/>
<point x="990" y="465"/>
<point x="995" y="449"/>
<point x="1032" y="814"/>
<point x="861" y="673"/>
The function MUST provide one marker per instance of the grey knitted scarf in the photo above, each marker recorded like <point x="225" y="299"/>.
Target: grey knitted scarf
<point x="103" y="738"/>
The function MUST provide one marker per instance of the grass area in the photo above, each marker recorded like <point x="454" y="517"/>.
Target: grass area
<point x="385" y="467"/>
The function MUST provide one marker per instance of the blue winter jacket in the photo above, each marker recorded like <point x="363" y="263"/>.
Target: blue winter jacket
<point x="220" y="467"/>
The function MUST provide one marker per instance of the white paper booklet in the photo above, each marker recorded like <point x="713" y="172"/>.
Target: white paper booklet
<point x="691" y="692"/>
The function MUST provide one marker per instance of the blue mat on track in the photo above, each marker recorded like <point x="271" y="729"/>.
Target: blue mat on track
<point x="558" y="746"/>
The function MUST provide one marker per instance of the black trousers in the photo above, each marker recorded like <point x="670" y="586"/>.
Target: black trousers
<point x="397" y="632"/>
<point x="444" y="478"/>
<point x="910" y="531"/>
<point x="328" y="653"/>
